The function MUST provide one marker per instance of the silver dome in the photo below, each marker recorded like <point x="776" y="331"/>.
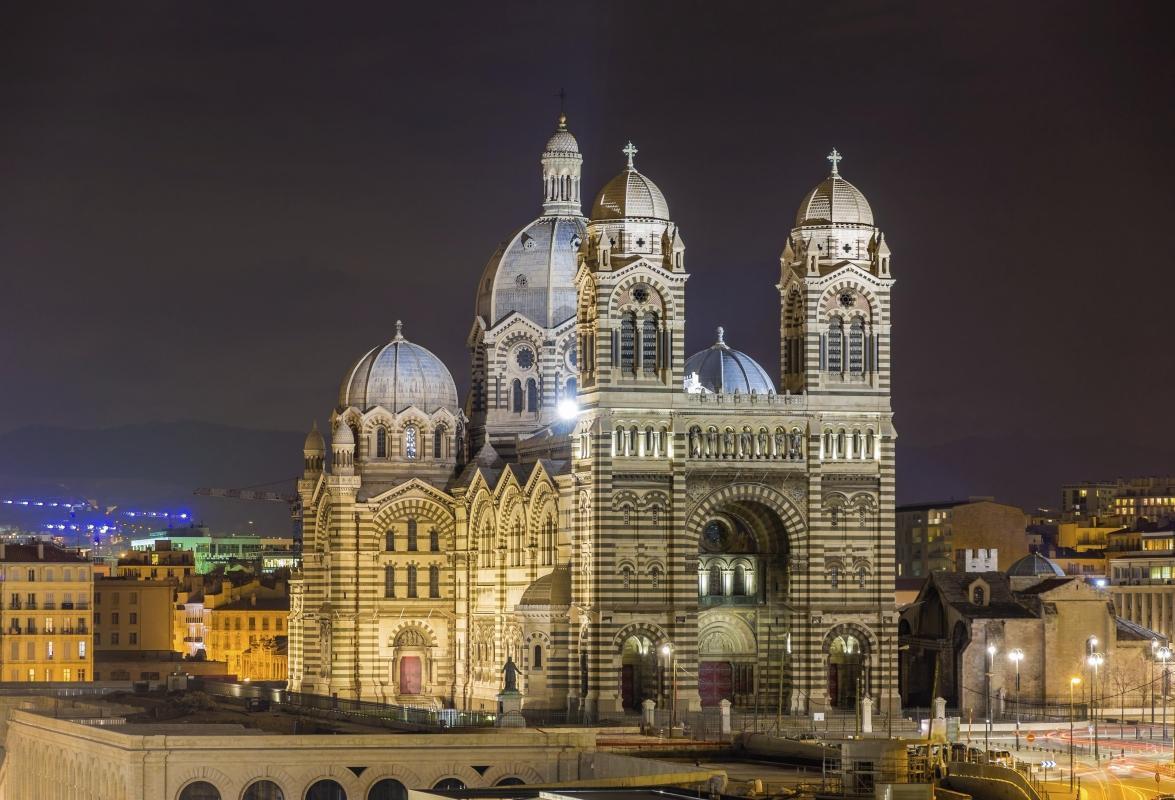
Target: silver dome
<point x="397" y="375"/>
<point x="1035" y="565"/>
<point x="630" y="194"/>
<point x="534" y="274"/>
<point x="719" y="369"/>
<point x="834" y="201"/>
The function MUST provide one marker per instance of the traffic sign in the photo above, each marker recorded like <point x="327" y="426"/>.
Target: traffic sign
<point x="1031" y="737"/>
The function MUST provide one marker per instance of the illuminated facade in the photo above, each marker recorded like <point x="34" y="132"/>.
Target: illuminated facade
<point x="682" y="515"/>
<point x="45" y="632"/>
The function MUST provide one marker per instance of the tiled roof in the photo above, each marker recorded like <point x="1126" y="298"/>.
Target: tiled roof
<point x="44" y="553"/>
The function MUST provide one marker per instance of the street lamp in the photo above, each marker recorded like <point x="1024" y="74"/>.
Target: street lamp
<point x="1017" y="655"/>
<point x="987" y="691"/>
<point x="1072" y="682"/>
<point x="1154" y="655"/>
<point x="667" y="651"/>
<point x="1164" y="653"/>
<point x="1095" y="660"/>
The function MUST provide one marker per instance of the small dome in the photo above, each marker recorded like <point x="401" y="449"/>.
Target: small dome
<point x="553" y="589"/>
<point x="397" y="375"/>
<point x="562" y="140"/>
<point x="1034" y="564"/>
<point x="314" y="441"/>
<point x="630" y="194"/>
<point x="342" y="435"/>
<point x="834" y="201"/>
<point x="720" y="369"/>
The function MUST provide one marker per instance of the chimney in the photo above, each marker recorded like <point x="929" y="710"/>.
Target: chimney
<point x="253" y="599"/>
<point x="40" y="551"/>
<point x="3" y="548"/>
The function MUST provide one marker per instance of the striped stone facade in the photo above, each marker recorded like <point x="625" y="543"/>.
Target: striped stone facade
<point x="661" y="544"/>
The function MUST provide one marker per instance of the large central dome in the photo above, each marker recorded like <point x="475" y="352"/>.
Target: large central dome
<point x="630" y="194"/>
<point x="534" y="274"/>
<point x="397" y="375"/>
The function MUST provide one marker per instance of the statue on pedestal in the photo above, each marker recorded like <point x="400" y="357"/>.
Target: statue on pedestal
<point x="511" y="671"/>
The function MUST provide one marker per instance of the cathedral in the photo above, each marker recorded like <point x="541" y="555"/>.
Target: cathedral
<point x="621" y="519"/>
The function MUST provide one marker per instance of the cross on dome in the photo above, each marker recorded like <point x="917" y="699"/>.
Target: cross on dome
<point x="835" y="158"/>
<point x="630" y="151"/>
<point x="721" y="335"/>
<point x="399" y="331"/>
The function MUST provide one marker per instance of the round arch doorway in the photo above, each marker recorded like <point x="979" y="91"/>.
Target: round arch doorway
<point x="847" y="674"/>
<point x="638" y="671"/>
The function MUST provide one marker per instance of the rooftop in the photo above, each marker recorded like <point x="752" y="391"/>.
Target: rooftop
<point x="46" y="552"/>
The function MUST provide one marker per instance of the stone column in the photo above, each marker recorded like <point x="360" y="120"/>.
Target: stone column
<point x="724" y="705"/>
<point x="866" y="714"/>
<point x="648" y="707"/>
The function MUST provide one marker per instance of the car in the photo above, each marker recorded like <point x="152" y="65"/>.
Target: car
<point x="1001" y="757"/>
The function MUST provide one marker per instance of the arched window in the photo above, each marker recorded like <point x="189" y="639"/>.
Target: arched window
<point x="628" y="342"/>
<point x="487" y="546"/>
<point x="434" y="581"/>
<point x="650" y="442"/>
<point x="857" y="346"/>
<point x="387" y="789"/>
<point x="410" y="442"/>
<point x="449" y="784"/>
<point x="411" y="534"/>
<point x="434" y="540"/>
<point x="412" y="580"/>
<point x="390" y="540"/>
<point x="326" y="789"/>
<point x="572" y="389"/>
<point x="649" y="343"/>
<point x="438" y="441"/>
<point x="532" y="395"/>
<point x="619" y="448"/>
<point x="840" y="444"/>
<point x="516" y="396"/>
<point x="200" y="790"/>
<point x="381" y="442"/>
<point x="537" y="662"/>
<point x="740" y="581"/>
<point x="516" y="544"/>
<point x="655" y="576"/>
<point x="626" y="576"/>
<point x="389" y="580"/>
<point x="978" y="596"/>
<point x="834" y="577"/>
<point x="835" y="345"/>
<point x="862" y="574"/>
<point x="264" y="790"/>
<point x="869" y="443"/>
<point x="715" y="587"/>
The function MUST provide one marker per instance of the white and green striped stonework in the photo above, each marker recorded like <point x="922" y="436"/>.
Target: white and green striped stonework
<point x="675" y="538"/>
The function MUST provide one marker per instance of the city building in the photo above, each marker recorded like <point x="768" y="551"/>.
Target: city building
<point x="212" y="550"/>
<point x="1091" y="500"/>
<point x="220" y="622"/>
<point x="160" y="561"/>
<point x="134" y="613"/>
<point x="1142" y="577"/>
<point x="45" y="633"/>
<point x="616" y="518"/>
<point x="1034" y="608"/>
<point x="266" y="660"/>
<point x="931" y="535"/>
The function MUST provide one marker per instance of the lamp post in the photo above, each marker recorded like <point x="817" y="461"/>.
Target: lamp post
<point x="1072" y="682"/>
<point x="1017" y="655"/>
<point x="1154" y="655"/>
<point x="1095" y="661"/>
<point x="1164" y="654"/>
<point x="987" y="691"/>
<point x="667" y="651"/>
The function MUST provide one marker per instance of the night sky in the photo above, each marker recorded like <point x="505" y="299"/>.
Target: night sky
<point x="208" y="211"/>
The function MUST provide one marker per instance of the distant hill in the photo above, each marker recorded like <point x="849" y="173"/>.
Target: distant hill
<point x="159" y="464"/>
<point x="156" y="465"/>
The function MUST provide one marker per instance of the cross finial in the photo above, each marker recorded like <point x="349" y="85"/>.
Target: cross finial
<point x="630" y="151"/>
<point x="399" y="330"/>
<point x="721" y="335"/>
<point x="835" y="158"/>
<point x="562" y="109"/>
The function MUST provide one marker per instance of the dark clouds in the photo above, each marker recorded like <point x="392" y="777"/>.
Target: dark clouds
<point x="208" y="210"/>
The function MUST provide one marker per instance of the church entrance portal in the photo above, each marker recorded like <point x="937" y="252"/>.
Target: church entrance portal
<point x="638" y="672"/>
<point x="410" y="675"/>
<point x="846" y="671"/>
<point x="715" y="682"/>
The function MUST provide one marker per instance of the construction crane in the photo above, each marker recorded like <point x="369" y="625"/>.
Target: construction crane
<point x="255" y="493"/>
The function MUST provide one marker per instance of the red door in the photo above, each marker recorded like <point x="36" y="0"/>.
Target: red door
<point x="410" y="675"/>
<point x="628" y="686"/>
<point x="715" y="679"/>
